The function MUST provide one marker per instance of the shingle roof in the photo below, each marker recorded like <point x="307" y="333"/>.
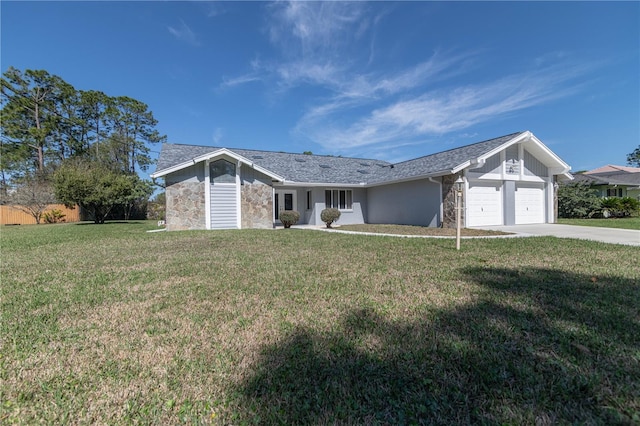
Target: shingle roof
<point x="445" y="161"/>
<point x="627" y="179"/>
<point x="610" y="168"/>
<point x="338" y="170"/>
<point x="293" y="167"/>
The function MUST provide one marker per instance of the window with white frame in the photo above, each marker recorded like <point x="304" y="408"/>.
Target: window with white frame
<point x="308" y="200"/>
<point x="222" y="171"/>
<point x="341" y="199"/>
<point x="614" y="192"/>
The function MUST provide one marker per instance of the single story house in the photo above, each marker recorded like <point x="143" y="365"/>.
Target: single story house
<point x="507" y="180"/>
<point x="613" y="181"/>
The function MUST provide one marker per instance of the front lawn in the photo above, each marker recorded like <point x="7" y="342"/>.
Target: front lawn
<point x="624" y="223"/>
<point x="109" y="324"/>
<point x="417" y="230"/>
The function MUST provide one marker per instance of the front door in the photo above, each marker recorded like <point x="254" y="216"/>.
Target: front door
<point x="285" y="200"/>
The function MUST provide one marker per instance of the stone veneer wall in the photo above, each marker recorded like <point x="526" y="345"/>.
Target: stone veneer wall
<point x="185" y="206"/>
<point x="256" y="201"/>
<point x="449" y="202"/>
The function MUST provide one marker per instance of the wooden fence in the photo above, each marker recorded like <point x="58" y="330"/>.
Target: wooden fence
<point x="10" y="215"/>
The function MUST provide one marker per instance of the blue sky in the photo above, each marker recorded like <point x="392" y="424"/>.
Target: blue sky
<point x="380" y="80"/>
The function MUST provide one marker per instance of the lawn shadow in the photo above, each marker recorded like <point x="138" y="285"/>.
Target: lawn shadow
<point x="539" y="346"/>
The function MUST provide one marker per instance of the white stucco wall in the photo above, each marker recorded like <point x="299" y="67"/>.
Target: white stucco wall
<point x="407" y="203"/>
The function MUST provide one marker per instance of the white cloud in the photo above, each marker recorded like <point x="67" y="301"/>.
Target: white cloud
<point x="217" y="135"/>
<point x="215" y="8"/>
<point x="240" y="80"/>
<point x="184" y="33"/>
<point x="329" y="47"/>
<point x="434" y="112"/>
<point x="315" y="26"/>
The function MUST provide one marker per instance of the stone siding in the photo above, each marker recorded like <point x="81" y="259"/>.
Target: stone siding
<point x="185" y="206"/>
<point x="449" y="202"/>
<point x="256" y="200"/>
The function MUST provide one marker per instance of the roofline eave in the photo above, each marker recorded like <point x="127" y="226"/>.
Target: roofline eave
<point x="214" y="154"/>
<point x="322" y="184"/>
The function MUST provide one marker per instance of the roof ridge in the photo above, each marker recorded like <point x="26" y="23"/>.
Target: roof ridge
<point x="512" y="135"/>
<point x="616" y="169"/>
<point x="277" y="152"/>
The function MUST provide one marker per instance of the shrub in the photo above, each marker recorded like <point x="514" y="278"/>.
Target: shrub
<point x="156" y="211"/>
<point x="610" y="206"/>
<point x="629" y="206"/>
<point x="289" y="217"/>
<point x="619" y="207"/>
<point x="54" y="216"/>
<point x="328" y="216"/>
<point x="577" y="200"/>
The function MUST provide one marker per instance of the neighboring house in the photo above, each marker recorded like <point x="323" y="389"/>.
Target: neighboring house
<point x="613" y="181"/>
<point x="507" y="180"/>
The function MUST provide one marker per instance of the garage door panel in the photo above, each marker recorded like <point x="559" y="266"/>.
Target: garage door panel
<point x="529" y="204"/>
<point x="484" y="204"/>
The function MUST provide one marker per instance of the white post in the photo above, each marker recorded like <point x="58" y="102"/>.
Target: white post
<point x="458" y="188"/>
<point x="458" y="208"/>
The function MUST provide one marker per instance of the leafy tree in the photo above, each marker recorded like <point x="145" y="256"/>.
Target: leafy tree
<point x="33" y="196"/>
<point x="68" y="125"/>
<point x="96" y="188"/>
<point x="577" y="200"/>
<point x="141" y="190"/>
<point x="45" y="121"/>
<point x="92" y="110"/>
<point x="133" y="127"/>
<point x="156" y="208"/>
<point x="28" y="120"/>
<point x="633" y="158"/>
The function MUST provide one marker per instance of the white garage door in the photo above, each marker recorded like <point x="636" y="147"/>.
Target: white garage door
<point x="529" y="201"/>
<point x="484" y="204"/>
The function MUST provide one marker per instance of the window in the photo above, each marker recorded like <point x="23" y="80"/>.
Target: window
<point x="222" y="171"/>
<point x="308" y="200"/>
<point x="614" y="192"/>
<point x="341" y="199"/>
<point x="288" y="201"/>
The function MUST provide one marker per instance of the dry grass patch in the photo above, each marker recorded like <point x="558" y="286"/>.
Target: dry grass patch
<point x="290" y="327"/>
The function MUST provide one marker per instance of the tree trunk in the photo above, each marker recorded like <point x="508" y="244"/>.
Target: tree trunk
<point x="40" y="144"/>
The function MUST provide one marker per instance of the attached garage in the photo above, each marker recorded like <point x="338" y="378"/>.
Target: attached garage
<point x="529" y="203"/>
<point x="505" y="181"/>
<point x="484" y="203"/>
<point x="491" y="203"/>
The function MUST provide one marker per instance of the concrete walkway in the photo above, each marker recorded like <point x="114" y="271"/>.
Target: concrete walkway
<point x="606" y="235"/>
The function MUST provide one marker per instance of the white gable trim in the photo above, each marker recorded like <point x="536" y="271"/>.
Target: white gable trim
<point x="172" y="169"/>
<point x="238" y="196"/>
<point x="551" y="160"/>
<point x="207" y="196"/>
<point x="218" y="153"/>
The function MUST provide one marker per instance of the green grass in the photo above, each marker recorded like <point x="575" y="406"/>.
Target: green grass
<point x="624" y="223"/>
<point x="418" y="230"/>
<point x="110" y="324"/>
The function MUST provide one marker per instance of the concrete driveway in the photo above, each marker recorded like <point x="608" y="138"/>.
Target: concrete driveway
<point x="605" y="235"/>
